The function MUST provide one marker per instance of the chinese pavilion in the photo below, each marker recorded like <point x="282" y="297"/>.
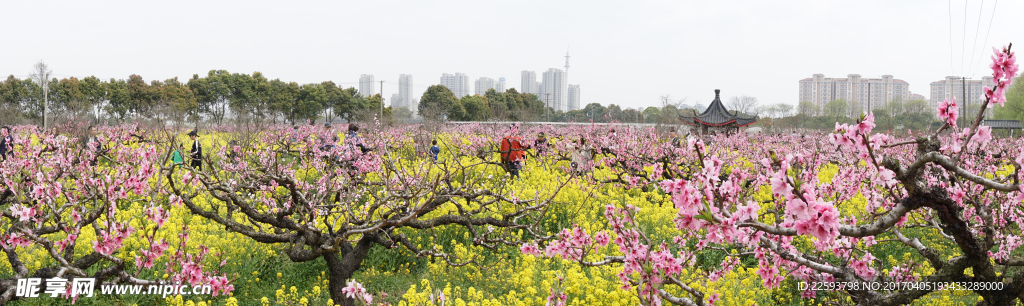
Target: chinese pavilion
<point x="717" y="118"/>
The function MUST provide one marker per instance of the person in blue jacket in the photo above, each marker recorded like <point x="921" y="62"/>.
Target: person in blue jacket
<point x="434" y="150"/>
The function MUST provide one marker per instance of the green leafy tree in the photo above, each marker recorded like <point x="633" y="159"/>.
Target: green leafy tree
<point x="335" y="95"/>
<point x="1013" y="109"/>
<point x="884" y="121"/>
<point x="283" y="97"/>
<point x="349" y="101"/>
<point x="476" y="107"/>
<point x="14" y="94"/>
<point x="368" y="108"/>
<point x="499" y="106"/>
<point x="895" y="107"/>
<point x="614" y="112"/>
<point x="311" y="99"/>
<point x="651" y="114"/>
<point x="594" y="112"/>
<point x="807" y="108"/>
<point x="118" y="99"/>
<point x="94" y="95"/>
<point x="140" y="97"/>
<point x="437" y="103"/>
<point x="401" y="113"/>
<point x="837" y="109"/>
<point x="631" y="115"/>
<point x="249" y="94"/>
<point x="67" y="99"/>
<point x="212" y="93"/>
<point x="175" y="100"/>
<point x="917" y="107"/>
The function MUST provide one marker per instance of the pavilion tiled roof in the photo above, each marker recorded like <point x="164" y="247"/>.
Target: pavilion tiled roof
<point x="717" y="115"/>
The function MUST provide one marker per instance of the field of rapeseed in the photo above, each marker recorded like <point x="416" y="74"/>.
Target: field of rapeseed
<point x="263" y="275"/>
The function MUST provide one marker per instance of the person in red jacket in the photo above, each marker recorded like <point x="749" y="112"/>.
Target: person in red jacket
<point x="512" y="152"/>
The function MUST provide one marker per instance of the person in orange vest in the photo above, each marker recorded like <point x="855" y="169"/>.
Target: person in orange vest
<point x="512" y="152"/>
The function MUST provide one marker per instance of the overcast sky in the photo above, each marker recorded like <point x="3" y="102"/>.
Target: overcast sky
<point x="627" y="53"/>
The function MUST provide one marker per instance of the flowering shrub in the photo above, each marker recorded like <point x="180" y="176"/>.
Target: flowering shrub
<point x="737" y="220"/>
<point x="64" y="203"/>
<point x="336" y="202"/>
<point x="951" y="186"/>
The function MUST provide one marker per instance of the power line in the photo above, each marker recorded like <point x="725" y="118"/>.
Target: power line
<point x="974" y="49"/>
<point x="963" y="41"/>
<point x="989" y="28"/>
<point x="950" y="10"/>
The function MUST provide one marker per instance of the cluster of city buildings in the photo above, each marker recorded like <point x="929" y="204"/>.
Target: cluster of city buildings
<point x="553" y="88"/>
<point x="865" y="94"/>
<point x="404" y="98"/>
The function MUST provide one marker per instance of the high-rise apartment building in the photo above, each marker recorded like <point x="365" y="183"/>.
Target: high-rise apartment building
<point x="366" y="85"/>
<point x="861" y="94"/>
<point x="574" y="97"/>
<point x="553" y="88"/>
<point x="396" y="100"/>
<point x="482" y="85"/>
<point x="953" y="86"/>
<point x="967" y="92"/>
<point x="405" y="94"/>
<point x="458" y="83"/>
<point x="500" y="86"/>
<point x="529" y="83"/>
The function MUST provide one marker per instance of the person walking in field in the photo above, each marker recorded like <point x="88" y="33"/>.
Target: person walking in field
<point x="434" y="149"/>
<point x="352" y="138"/>
<point x="197" y="150"/>
<point x="541" y="143"/>
<point x="511" y="150"/>
<point x="6" y="142"/>
<point x="232" y="155"/>
<point x="580" y="160"/>
<point x="328" y="134"/>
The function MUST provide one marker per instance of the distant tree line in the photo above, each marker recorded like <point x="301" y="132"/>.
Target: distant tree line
<point x="440" y="103"/>
<point x="213" y="97"/>
<point x="895" y="115"/>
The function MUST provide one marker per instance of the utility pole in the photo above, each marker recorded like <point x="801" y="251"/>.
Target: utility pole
<point x="381" y="100"/>
<point x="42" y="75"/>
<point x="547" y="104"/>
<point x="565" y="92"/>
<point x="963" y="88"/>
<point x="46" y="102"/>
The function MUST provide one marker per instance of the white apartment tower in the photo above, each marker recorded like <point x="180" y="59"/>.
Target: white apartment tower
<point x="482" y="85"/>
<point x="565" y="80"/>
<point x="458" y="83"/>
<point x="967" y="92"/>
<point x="861" y="94"/>
<point x="396" y="100"/>
<point x="553" y="89"/>
<point x="404" y="92"/>
<point x="500" y="86"/>
<point x="529" y="83"/>
<point x="574" y="97"/>
<point x="366" y="85"/>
